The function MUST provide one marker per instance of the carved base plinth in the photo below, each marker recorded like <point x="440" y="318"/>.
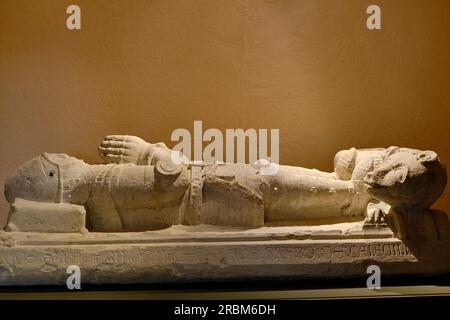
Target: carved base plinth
<point x="207" y="253"/>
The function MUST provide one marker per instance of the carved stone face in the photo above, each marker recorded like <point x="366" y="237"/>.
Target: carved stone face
<point x="407" y="178"/>
<point x="41" y="179"/>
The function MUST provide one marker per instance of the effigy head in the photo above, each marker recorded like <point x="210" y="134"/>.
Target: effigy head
<point x="43" y="178"/>
<point x="407" y="178"/>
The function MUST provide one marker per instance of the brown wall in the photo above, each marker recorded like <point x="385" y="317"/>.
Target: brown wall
<point x="308" y="67"/>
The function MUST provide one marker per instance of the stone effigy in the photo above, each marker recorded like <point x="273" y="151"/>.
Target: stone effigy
<point x="142" y="217"/>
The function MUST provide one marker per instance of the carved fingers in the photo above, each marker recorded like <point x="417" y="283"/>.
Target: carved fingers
<point x="375" y="216"/>
<point x="119" y="137"/>
<point x="122" y="149"/>
<point x="376" y="213"/>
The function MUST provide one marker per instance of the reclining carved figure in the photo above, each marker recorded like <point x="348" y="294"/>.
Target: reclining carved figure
<point x="141" y="188"/>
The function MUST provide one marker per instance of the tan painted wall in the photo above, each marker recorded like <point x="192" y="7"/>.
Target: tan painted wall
<point x="310" y="68"/>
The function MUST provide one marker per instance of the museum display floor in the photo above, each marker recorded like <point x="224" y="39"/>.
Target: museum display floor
<point x="332" y="289"/>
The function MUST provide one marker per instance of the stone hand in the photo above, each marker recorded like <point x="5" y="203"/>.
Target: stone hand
<point x="124" y="149"/>
<point x="376" y="212"/>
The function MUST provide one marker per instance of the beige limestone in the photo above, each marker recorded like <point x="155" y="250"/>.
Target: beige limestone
<point x="46" y="217"/>
<point x="150" y="219"/>
<point x="140" y="188"/>
<point x="211" y="253"/>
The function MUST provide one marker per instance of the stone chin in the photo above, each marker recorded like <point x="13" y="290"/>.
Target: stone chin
<point x="39" y="179"/>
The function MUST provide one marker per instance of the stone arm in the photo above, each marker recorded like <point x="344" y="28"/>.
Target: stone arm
<point x="132" y="149"/>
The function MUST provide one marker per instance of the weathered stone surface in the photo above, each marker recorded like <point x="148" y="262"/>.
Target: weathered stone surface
<point x="142" y="188"/>
<point x="33" y="216"/>
<point x="152" y="219"/>
<point x="206" y="253"/>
